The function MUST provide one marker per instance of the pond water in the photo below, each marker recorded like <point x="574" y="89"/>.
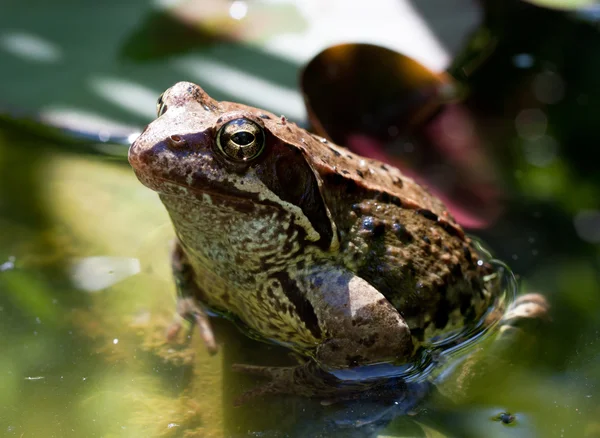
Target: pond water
<point x="86" y="294"/>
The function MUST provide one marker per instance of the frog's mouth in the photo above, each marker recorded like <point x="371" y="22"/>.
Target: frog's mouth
<point x="223" y="194"/>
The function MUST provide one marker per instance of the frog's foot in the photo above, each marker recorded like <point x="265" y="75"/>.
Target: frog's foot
<point x="189" y="309"/>
<point x="525" y="316"/>
<point x="523" y="324"/>
<point x="188" y="306"/>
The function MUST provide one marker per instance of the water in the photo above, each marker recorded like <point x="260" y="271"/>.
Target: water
<point x="85" y="290"/>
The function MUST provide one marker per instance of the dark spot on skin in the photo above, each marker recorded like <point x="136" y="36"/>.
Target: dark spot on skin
<point x="345" y="172"/>
<point x="384" y="167"/>
<point x="428" y="214"/>
<point x="303" y="306"/>
<point x="396" y="201"/>
<point x="374" y="226"/>
<point x="288" y="128"/>
<point x="379" y="229"/>
<point x="402" y="233"/>
<point x="360" y="321"/>
<point x="333" y="346"/>
<point x="388" y="199"/>
<point x="220" y="119"/>
<point x="426" y="240"/>
<point x="456" y="271"/>
<point x="442" y="314"/>
<point x="265" y="116"/>
<point x="279" y="307"/>
<point x="398" y="182"/>
<point x="467" y="253"/>
<point x="369" y="341"/>
<point x="350" y="156"/>
<point x="336" y="153"/>
<point x="359" y="173"/>
<point x="450" y="229"/>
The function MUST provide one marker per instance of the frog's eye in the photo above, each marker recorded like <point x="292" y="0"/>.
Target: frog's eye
<point x="241" y="140"/>
<point x="161" y="108"/>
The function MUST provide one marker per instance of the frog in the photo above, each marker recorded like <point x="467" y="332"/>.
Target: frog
<point x="342" y="259"/>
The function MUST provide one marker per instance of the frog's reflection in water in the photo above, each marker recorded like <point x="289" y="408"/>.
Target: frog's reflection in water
<point x="296" y="416"/>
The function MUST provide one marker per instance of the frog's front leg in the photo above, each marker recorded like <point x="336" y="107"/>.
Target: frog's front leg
<point x="188" y="306"/>
<point x="359" y="326"/>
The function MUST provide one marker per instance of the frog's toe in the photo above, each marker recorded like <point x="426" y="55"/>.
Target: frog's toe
<point x="189" y="309"/>
<point x="526" y="312"/>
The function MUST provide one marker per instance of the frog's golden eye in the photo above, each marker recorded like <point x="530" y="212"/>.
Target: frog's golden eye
<point x="161" y="108"/>
<point x="241" y="140"/>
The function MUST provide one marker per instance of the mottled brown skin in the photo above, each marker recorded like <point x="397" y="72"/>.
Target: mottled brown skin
<point x="341" y="258"/>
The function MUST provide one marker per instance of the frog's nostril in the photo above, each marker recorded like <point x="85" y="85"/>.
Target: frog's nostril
<point x="176" y="142"/>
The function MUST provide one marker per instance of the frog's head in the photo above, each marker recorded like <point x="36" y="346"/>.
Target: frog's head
<point x="199" y="148"/>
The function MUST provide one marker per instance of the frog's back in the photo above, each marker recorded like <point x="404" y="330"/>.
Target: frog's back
<point x="432" y="276"/>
